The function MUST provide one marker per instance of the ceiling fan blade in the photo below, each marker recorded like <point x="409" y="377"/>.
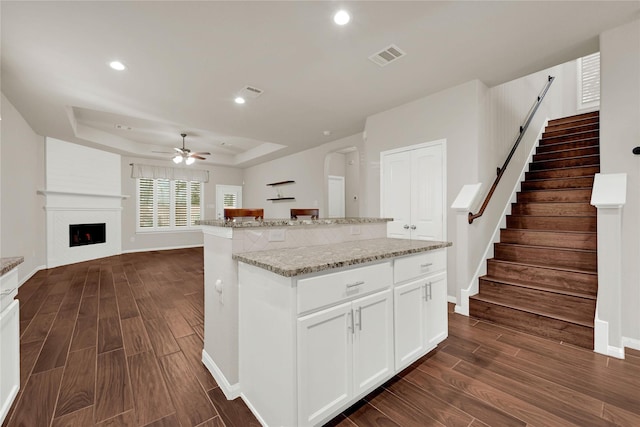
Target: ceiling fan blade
<point x="202" y="153"/>
<point x="195" y="156"/>
<point x="179" y="150"/>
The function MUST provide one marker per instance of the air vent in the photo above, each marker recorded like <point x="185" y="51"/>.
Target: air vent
<point x="122" y="127"/>
<point x="387" y="55"/>
<point x="250" y="92"/>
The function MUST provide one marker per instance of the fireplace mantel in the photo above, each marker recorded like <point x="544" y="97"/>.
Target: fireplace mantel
<point x="73" y="193"/>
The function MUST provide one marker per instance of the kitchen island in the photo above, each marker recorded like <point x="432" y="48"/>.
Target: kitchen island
<point x="322" y="326"/>
<point x="222" y="239"/>
<point x="321" y="312"/>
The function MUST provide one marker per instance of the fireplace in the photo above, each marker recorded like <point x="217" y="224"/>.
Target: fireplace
<point x="87" y="234"/>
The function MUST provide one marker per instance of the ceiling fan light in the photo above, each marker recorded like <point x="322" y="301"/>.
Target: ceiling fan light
<point x="190" y="160"/>
<point x="177" y="159"/>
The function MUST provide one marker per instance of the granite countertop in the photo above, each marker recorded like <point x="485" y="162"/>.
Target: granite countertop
<point x="286" y="222"/>
<point x="291" y="262"/>
<point x="8" y="264"/>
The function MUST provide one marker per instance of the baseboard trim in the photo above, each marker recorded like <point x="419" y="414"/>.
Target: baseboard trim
<point x="631" y="343"/>
<point x="253" y="410"/>
<point x="166" y="248"/>
<point x="451" y="299"/>
<point x="30" y="275"/>
<point x="231" y="391"/>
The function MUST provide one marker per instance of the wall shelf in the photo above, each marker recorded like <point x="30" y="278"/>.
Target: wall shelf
<point x="279" y="195"/>
<point x="280" y="183"/>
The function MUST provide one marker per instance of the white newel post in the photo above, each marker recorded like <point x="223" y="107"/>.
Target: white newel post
<point x="609" y="196"/>
<point x="463" y="204"/>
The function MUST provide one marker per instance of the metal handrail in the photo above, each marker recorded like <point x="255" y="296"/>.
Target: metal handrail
<point x="523" y="129"/>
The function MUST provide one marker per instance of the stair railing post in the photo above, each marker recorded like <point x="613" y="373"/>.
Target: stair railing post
<point x="609" y="197"/>
<point x="463" y="204"/>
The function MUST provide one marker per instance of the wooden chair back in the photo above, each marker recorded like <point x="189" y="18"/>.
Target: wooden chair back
<point x="230" y="213"/>
<point x="313" y="212"/>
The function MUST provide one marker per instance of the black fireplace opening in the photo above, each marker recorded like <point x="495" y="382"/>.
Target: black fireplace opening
<point x="87" y="234"/>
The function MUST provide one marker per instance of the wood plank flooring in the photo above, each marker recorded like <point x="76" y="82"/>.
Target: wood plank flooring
<point x="118" y="342"/>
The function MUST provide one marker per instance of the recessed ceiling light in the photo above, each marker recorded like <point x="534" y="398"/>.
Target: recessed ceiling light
<point x="341" y="17"/>
<point x="326" y="133"/>
<point x="117" y="65"/>
<point x="239" y="100"/>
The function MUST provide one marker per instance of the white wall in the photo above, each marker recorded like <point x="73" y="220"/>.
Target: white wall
<point x="306" y="168"/>
<point x="619" y="134"/>
<point x="454" y="115"/>
<point x="22" y="209"/>
<point x="75" y="168"/>
<point x="133" y="242"/>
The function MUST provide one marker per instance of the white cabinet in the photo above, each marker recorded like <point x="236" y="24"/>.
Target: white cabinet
<point x="420" y="306"/>
<point x="413" y="191"/>
<point x="343" y="352"/>
<point x="9" y="342"/>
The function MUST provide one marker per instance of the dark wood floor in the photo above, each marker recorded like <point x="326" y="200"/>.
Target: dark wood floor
<point x="118" y="341"/>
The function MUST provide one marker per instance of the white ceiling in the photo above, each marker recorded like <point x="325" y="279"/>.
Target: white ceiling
<point x="186" y="61"/>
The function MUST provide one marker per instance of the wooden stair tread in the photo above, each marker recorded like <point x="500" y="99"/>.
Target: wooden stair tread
<point x="559" y="314"/>
<point x="550" y="267"/>
<point x="529" y="230"/>
<point x="547" y="247"/>
<point x="586" y="157"/>
<point x="587" y="142"/>
<point x="576" y="136"/>
<point x="557" y="189"/>
<point x="575" y="117"/>
<point x="546" y="265"/>
<point x="560" y="153"/>
<point x="539" y="287"/>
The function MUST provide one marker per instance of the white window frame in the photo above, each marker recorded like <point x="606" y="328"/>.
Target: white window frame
<point x="585" y="105"/>
<point x="172" y="208"/>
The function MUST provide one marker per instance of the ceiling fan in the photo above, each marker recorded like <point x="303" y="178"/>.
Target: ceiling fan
<point x="186" y="154"/>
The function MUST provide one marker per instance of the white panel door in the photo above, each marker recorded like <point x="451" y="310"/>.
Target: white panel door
<point x="409" y="322"/>
<point x="373" y="340"/>
<point x="227" y="196"/>
<point x="427" y="204"/>
<point x="325" y="356"/>
<point x="396" y="193"/>
<point x="336" y="196"/>
<point x="436" y="311"/>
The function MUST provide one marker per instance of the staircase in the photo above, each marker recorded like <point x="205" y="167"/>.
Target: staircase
<point x="543" y="277"/>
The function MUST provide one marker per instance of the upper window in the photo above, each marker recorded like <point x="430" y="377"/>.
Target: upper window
<point x="589" y="81"/>
<point x="164" y="205"/>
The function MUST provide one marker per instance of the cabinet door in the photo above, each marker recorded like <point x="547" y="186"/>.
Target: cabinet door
<point x="436" y="312"/>
<point x="9" y="356"/>
<point x="325" y="343"/>
<point x="396" y="193"/>
<point x="427" y="203"/>
<point x="373" y="341"/>
<point x="410" y="322"/>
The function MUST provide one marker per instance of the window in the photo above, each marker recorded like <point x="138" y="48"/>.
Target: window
<point x="165" y="204"/>
<point x="589" y="81"/>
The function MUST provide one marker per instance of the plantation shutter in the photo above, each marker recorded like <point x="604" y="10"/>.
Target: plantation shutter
<point x="589" y="81"/>
<point x="163" y="187"/>
<point x="146" y="203"/>
<point x="181" y="203"/>
<point x="195" y="201"/>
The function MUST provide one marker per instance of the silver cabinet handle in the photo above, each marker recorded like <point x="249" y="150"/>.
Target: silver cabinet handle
<point x="354" y="284"/>
<point x="413" y="227"/>
<point x="424" y="288"/>
<point x="406" y="226"/>
<point x="429" y="264"/>
<point x="350" y="326"/>
<point x="359" y="311"/>
<point x="430" y="291"/>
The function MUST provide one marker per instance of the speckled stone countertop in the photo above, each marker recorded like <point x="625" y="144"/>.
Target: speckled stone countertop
<point x="292" y="262"/>
<point x="8" y="264"/>
<point x="286" y="222"/>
